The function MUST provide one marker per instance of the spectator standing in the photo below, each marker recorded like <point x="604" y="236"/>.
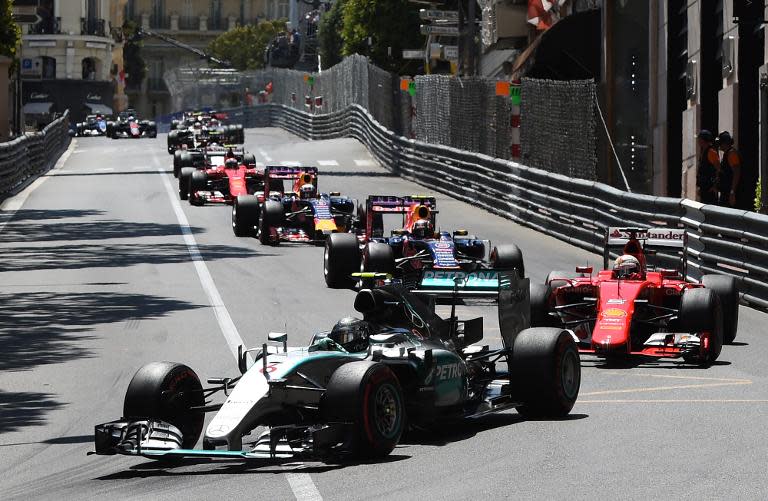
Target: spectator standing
<point x="709" y="168"/>
<point x="730" y="170"/>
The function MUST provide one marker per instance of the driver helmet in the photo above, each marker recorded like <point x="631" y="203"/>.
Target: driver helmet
<point x="422" y="228"/>
<point x="351" y="333"/>
<point x="307" y="191"/>
<point x="627" y="266"/>
<point x="230" y="163"/>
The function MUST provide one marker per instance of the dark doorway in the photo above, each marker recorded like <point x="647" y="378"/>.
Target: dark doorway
<point x="751" y="50"/>
<point x="711" y="62"/>
<point x="677" y="59"/>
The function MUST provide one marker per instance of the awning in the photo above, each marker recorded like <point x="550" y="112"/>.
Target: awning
<point x="37" y="108"/>
<point x="99" y="109"/>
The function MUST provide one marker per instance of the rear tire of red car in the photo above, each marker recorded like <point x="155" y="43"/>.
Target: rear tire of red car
<point x="726" y="289"/>
<point x="368" y="395"/>
<point x="546" y="372"/>
<point x="245" y="215"/>
<point x="271" y="216"/>
<point x="184" y="178"/>
<point x="378" y="257"/>
<point x="166" y="391"/>
<point x="701" y="313"/>
<point x="340" y="260"/>
<point x="508" y="257"/>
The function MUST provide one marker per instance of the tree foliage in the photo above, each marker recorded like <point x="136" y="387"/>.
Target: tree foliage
<point x="390" y="25"/>
<point x="329" y="34"/>
<point x="135" y="67"/>
<point x="9" y="30"/>
<point x="244" y="46"/>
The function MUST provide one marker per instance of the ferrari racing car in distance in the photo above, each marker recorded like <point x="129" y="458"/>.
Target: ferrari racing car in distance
<point x="127" y="125"/>
<point x="224" y="175"/>
<point x="416" y="253"/>
<point x="302" y="215"/>
<point x="94" y="125"/>
<point x="353" y="391"/>
<point x="637" y="309"/>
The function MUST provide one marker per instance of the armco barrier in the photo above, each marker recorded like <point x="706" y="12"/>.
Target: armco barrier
<point x="724" y="241"/>
<point x="32" y="154"/>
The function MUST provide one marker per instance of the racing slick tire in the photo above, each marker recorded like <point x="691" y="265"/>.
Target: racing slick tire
<point x="185" y="176"/>
<point x="186" y="160"/>
<point x="172" y="140"/>
<point x="726" y="289"/>
<point x="245" y="215"/>
<point x="508" y="257"/>
<point x="152" y="130"/>
<point x="545" y="369"/>
<point x="198" y="181"/>
<point x="177" y="162"/>
<point x="270" y="216"/>
<point x="701" y="313"/>
<point x="167" y="391"/>
<point x="540" y="307"/>
<point x="378" y="257"/>
<point x="368" y="395"/>
<point x="340" y="260"/>
<point x="110" y="129"/>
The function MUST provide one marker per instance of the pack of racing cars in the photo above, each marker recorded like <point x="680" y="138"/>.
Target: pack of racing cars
<point x="128" y="125"/>
<point x="355" y="389"/>
<point x="198" y="129"/>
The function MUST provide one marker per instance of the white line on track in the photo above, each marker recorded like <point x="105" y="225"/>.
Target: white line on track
<point x="327" y="163"/>
<point x="301" y="484"/>
<point x="365" y="163"/>
<point x="291" y="163"/>
<point x="13" y="204"/>
<point x="266" y="156"/>
<point x="105" y="169"/>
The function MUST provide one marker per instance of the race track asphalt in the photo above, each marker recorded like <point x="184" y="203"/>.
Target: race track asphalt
<point x="96" y="279"/>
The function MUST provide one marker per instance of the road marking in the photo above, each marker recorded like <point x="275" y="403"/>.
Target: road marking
<point x="105" y="169"/>
<point x="676" y="401"/>
<point x="327" y="163"/>
<point x="138" y="167"/>
<point x="365" y="163"/>
<point x="290" y="163"/>
<point x="266" y="156"/>
<point x="14" y="203"/>
<point x="301" y="484"/>
<point x="303" y="487"/>
<point x="664" y="388"/>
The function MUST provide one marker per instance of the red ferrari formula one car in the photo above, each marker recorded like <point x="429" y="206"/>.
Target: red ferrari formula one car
<point x="221" y="179"/>
<point x="633" y="308"/>
<point x="301" y="215"/>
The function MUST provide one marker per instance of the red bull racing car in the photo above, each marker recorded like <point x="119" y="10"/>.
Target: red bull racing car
<point x="223" y="176"/>
<point x="298" y="215"/>
<point x="414" y="253"/>
<point x="636" y="309"/>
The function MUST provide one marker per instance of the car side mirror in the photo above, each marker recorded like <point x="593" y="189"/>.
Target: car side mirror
<point x="279" y="337"/>
<point x="584" y="269"/>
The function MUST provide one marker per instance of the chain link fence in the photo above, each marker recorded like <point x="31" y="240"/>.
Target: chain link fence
<point x="558" y="120"/>
<point x="558" y="130"/>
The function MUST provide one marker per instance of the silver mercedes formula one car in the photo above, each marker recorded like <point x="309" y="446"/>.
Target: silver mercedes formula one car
<point x="355" y="389"/>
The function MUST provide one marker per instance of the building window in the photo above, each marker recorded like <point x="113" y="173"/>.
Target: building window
<point x="214" y="19"/>
<point x="157" y="18"/>
<point x="130" y="10"/>
<point x="187" y="20"/>
<point x="283" y="9"/>
<point x="49" y="67"/>
<point x="89" y="68"/>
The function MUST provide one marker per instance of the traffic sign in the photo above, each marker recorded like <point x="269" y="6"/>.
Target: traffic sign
<point x="413" y="54"/>
<point x="429" y="29"/>
<point x="439" y="15"/>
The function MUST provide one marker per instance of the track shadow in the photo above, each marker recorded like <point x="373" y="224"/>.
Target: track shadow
<point x="39" y="328"/>
<point x="23" y="231"/>
<point x="41" y="214"/>
<point x="357" y="173"/>
<point x="111" y="173"/>
<point x="23" y="409"/>
<point x="75" y="439"/>
<point x="183" y="467"/>
<point x="81" y="256"/>
<point x="639" y="362"/>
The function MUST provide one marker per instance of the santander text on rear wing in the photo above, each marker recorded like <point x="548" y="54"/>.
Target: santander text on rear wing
<point x="671" y="243"/>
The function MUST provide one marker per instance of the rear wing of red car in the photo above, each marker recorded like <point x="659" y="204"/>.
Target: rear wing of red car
<point x="647" y="241"/>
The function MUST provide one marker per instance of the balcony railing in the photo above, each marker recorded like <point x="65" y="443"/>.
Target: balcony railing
<point x="91" y="26"/>
<point x="159" y="22"/>
<point x="217" y="23"/>
<point x="189" y="23"/>
<point x="49" y="26"/>
<point x="155" y="84"/>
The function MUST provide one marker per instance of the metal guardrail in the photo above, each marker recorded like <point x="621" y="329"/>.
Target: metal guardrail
<point x="32" y="154"/>
<point x="725" y="241"/>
